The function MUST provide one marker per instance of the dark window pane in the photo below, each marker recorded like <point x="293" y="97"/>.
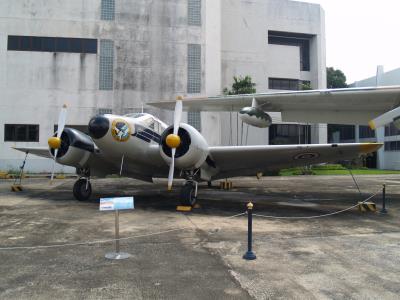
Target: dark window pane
<point x="345" y="133"/>
<point x="283" y="84"/>
<point x="62" y="45"/>
<point x="52" y="44"/>
<point x="33" y="133"/>
<point x="36" y="43"/>
<point x="89" y="46"/>
<point x="286" y="134"/>
<point x="13" y="42"/>
<point x="8" y="132"/>
<point x="25" y="43"/>
<point x="76" y="45"/>
<point x="366" y="132"/>
<point x="48" y="44"/>
<point x="21" y="133"/>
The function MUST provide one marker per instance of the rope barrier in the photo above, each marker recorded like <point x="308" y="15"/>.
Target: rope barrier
<point x="318" y="216"/>
<point x="103" y="241"/>
<point x="90" y="243"/>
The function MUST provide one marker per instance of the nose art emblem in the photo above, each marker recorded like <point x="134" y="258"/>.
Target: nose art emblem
<point x="120" y="130"/>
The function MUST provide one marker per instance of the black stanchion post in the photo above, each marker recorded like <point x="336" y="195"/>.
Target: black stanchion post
<point x="117" y="231"/>
<point x="249" y="255"/>
<point x="383" y="209"/>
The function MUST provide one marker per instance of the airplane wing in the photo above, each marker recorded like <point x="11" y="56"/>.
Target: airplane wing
<point x="38" y="151"/>
<point x="340" y="106"/>
<point x="233" y="161"/>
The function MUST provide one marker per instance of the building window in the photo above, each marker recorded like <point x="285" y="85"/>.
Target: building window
<point x="104" y="111"/>
<point x="289" y="134"/>
<point x="108" y="10"/>
<point x="194" y="69"/>
<point x="286" y="84"/>
<point x="366" y="132"/>
<point x="106" y="72"/>
<point x="392" y="146"/>
<point x="194" y="119"/>
<point x="391" y="130"/>
<point x="293" y="39"/>
<point x="51" y="44"/>
<point x="341" y="133"/>
<point x="21" y="133"/>
<point x="194" y="12"/>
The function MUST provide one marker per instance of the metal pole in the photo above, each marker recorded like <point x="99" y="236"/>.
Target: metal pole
<point x="249" y="255"/>
<point x="383" y="210"/>
<point x="117" y="231"/>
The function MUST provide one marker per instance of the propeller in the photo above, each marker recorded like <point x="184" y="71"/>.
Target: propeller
<point x="55" y="141"/>
<point x="173" y="141"/>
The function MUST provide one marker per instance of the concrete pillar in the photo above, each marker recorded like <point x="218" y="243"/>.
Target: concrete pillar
<point x="357" y="133"/>
<point x="379" y="74"/>
<point x="380" y="138"/>
<point x="319" y="133"/>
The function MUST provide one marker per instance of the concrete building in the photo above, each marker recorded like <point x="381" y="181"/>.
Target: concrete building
<point x="100" y="56"/>
<point x="388" y="156"/>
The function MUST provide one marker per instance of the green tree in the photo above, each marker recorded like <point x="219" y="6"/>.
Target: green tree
<point x="335" y="79"/>
<point x="241" y="85"/>
<point x="305" y="86"/>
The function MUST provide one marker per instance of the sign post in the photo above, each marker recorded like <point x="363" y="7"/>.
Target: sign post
<point x="116" y="204"/>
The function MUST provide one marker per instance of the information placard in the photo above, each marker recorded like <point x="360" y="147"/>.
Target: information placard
<point x="117" y="203"/>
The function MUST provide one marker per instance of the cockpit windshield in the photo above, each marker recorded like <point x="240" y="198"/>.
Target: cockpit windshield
<point x="136" y="115"/>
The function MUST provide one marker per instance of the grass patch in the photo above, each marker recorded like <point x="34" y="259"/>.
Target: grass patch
<point x="334" y="170"/>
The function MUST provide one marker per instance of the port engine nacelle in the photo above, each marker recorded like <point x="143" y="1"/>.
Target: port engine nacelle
<point x="76" y="148"/>
<point x="191" y="153"/>
<point x="255" y="117"/>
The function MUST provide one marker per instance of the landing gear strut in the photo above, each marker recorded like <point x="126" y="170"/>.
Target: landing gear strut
<point x="82" y="188"/>
<point x="189" y="193"/>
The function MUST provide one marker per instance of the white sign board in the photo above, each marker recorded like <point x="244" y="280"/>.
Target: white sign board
<point x="117" y="203"/>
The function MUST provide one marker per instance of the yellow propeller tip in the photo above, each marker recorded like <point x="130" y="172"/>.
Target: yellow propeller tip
<point x="179" y="98"/>
<point x="372" y="125"/>
<point x="169" y="188"/>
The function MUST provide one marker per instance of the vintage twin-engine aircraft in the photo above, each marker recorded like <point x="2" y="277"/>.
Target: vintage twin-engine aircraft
<point x="143" y="147"/>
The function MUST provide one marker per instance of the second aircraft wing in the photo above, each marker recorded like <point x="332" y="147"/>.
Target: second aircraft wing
<point x="337" y="106"/>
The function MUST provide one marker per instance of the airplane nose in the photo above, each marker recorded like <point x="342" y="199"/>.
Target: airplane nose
<point x="98" y="126"/>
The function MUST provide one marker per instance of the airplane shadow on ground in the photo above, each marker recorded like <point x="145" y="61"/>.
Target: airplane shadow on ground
<point x="218" y="202"/>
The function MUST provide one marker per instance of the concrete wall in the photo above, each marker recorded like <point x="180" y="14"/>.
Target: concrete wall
<point x="245" y="51"/>
<point x="34" y="85"/>
<point x="150" y="49"/>
<point x="150" y="61"/>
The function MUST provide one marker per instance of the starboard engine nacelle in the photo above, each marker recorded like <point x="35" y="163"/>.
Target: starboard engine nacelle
<point x="76" y="148"/>
<point x="255" y="116"/>
<point x="192" y="151"/>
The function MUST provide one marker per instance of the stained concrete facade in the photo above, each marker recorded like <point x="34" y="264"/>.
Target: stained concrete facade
<point x="246" y="51"/>
<point x="150" y="60"/>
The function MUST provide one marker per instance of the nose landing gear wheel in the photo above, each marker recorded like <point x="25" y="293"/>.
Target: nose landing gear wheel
<point x="188" y="194"/>
<point x="82" y="189"/>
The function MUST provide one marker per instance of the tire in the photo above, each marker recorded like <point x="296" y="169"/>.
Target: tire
<point x="80" y="192"/>
<point x="188" y="194"/>
<point x="209" y="184"/>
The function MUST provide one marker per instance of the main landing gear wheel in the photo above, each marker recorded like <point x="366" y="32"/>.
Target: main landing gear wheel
<point x="82" y="189"/>
<point x="188" y="194"/>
